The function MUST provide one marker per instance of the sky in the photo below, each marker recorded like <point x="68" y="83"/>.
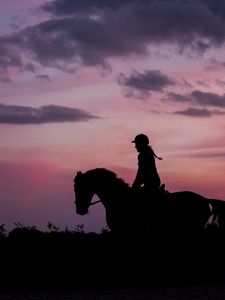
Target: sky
<point x="79" y="79"/>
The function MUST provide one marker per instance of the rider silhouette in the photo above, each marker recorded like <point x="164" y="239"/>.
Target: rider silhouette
<point x="147" y="176"/>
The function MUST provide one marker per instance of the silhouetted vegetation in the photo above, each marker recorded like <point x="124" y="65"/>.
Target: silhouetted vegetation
<point x="179" y="239"/>
<point x="75" y="258"/>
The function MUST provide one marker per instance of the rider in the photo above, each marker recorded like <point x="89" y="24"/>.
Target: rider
<point x="147" y="175"/>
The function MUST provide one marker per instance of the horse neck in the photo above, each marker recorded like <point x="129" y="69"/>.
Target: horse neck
<point x="113" y="191"/>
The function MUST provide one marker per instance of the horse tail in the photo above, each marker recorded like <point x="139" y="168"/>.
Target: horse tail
<point x="218" y="213"/>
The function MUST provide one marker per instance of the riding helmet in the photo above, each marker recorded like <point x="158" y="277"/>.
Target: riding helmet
<point x="141" y="139"/>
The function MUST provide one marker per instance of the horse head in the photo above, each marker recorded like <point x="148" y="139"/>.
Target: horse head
<point x="83" y="193"/>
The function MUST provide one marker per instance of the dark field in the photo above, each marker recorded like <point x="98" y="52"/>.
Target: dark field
<point x="78" y="265"/>
<point x="186" y="292"/>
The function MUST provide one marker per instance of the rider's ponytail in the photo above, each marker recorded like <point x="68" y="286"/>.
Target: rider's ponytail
<point x="159" y="158"/>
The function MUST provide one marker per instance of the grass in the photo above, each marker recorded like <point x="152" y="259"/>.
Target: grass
<point x="54" y="258"/>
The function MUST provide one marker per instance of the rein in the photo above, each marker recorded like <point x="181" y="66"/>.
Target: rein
<point x="95" y="202"/>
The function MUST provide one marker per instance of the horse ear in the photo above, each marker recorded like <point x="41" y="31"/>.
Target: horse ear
<point x="78" y="174"/>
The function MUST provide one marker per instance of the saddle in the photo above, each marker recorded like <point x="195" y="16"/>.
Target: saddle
<point x="162" y="191"/>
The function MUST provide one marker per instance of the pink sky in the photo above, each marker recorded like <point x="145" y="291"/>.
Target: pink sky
<point x="116" y="82"/>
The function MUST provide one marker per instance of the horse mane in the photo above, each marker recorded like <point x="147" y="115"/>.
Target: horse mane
<point x="106" y="176"/>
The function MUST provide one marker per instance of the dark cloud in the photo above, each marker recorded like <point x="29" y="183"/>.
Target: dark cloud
<point x="210" y="99"/>
<point x="17" y="21"/>
<point x="91" y="32"/>
<point x="188" y="23"/>
<point x="43" y="77"/>
<point x="194" y="112"/>
<point x="202" y="83"/>
<point x="70" y="42"/>
<point x="13" y="114"/>
<point x="9" y="58"/>
<point x="151" y="80"/>
<point x="144" y="83"/>
<point x="30" y="68"/>
<point x="199" y="112"/>
<point x="68" y="7"/>
<point x="177" y="97"/>
<point x="184" y="83"/>
<point x="199" y="98"/>
<point x="217" y="6"/>
<point x="209" y="154"/>
<point x="214" y="64"/>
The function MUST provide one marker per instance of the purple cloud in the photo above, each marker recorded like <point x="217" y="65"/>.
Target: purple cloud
<point x="91" y="32"/>
<point x="43" y="77"/>
<point x="144" y="83"/>
<point x="198" y="112"/>
<point x="198" y="97"/>
<point x="69" y="7"/>
<point x="21" y="115"/>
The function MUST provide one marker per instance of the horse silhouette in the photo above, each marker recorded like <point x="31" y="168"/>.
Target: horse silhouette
<point x="127" y="211"/>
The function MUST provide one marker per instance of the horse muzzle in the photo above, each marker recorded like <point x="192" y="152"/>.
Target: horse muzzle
<point x="81" y="212"/>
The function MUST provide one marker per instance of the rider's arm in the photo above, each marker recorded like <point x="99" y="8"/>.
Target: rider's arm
<point x="138" y="181"/>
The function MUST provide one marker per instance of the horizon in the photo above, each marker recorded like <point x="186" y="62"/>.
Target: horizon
<point x="80" y="80"/>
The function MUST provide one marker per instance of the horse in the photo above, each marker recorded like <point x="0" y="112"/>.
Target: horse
<point x="127" y="210"/>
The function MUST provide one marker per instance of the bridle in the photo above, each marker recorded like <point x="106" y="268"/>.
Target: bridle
<point x="92" y="203"/>
<point x="95" y="202"/>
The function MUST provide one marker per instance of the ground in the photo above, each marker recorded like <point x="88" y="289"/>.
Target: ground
<point x="186" y="292"/>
